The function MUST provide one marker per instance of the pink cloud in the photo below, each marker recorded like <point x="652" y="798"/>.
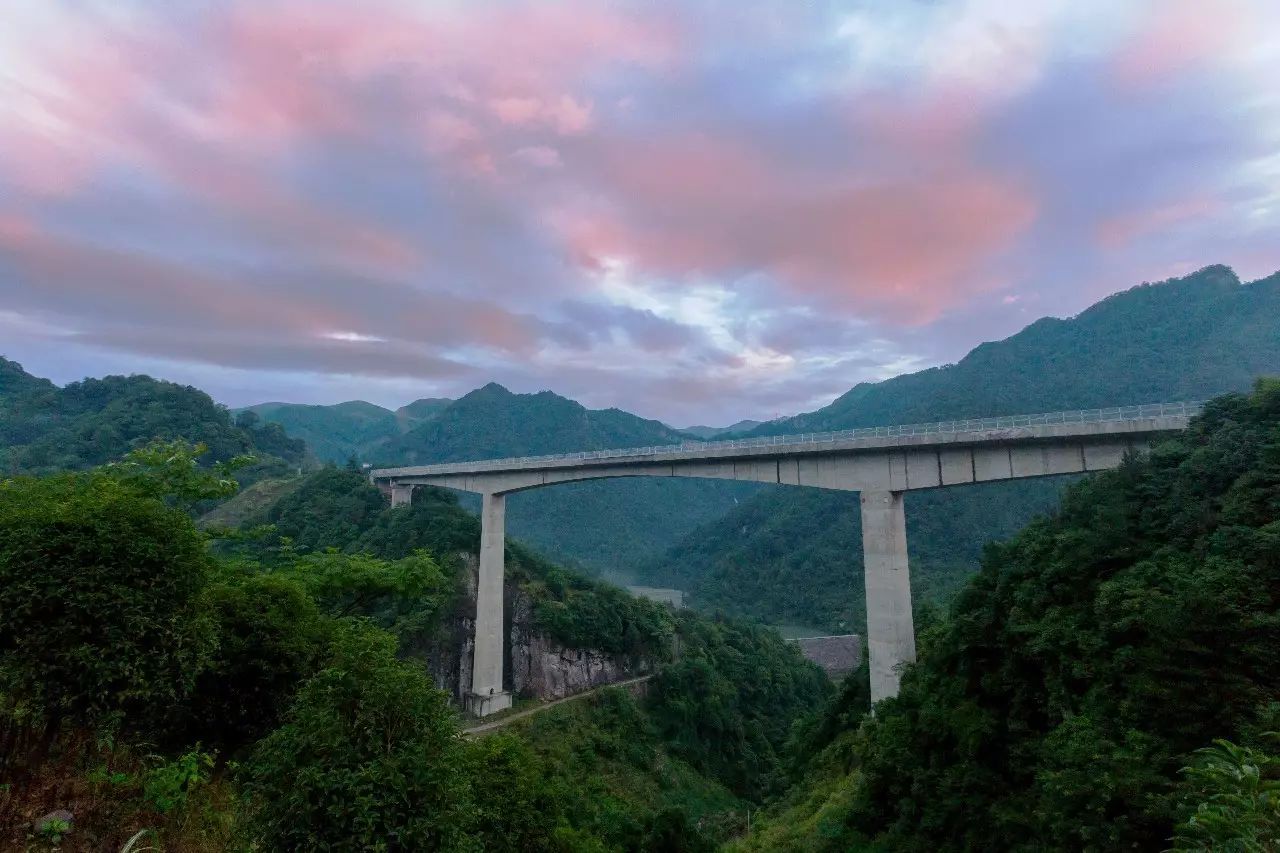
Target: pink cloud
<point x="1119" y="232"/>
<point x="1177" y="36"/>
<point x="902" y="245"/>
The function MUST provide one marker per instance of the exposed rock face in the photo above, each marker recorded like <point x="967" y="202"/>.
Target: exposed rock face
<point x="537" y="666"/>
<point x="838" y="655"/>
<point x="542" y="668"/>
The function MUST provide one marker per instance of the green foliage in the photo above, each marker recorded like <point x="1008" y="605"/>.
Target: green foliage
<point x="270" y="637"/>
<point x="44" y="429"/>
<point x="513" y="809"/>
<point x="728" y="703"/>
<point x="1092" y="655"/>
<point x="1237" y="798"/>
<point x="336" y="433"/>
<point x="601" y="525"/>
<point x="586" y="614"/>
<point x="405" y="597"/>
<point x="170" y="471"/>
<point x="99" y="601"/>
<point x="329" y="510"/>
<point x="368" y="758"/>
<point x="621" y="788"/>
<point x="168" y="785"/>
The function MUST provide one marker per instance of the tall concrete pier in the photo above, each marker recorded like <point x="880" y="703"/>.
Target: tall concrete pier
<point x="882" y="463"/>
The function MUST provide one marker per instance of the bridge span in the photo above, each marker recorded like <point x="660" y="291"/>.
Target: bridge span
<point x="882" y="463"/>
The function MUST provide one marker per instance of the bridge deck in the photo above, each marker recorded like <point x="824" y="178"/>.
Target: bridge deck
<point x="1158" y="417"/>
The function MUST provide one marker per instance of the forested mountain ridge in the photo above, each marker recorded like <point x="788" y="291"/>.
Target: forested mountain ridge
<point x="600" y="525"/>
<point x="15" y="381"/>
<point x="44" y="428"/>
<point x="1055" y="705"/>
<point x="1187" y="338"/>
<point x="492" y="422"/>
<point x="344" y="430"/>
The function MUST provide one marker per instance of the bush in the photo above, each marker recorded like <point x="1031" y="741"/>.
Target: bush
<point x="99" y="602"/>
<point x="368" y="758"/>
<point x="271" y="637"/>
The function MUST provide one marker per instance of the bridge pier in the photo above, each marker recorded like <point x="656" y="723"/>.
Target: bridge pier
<point x="401" y="495"/>
<point x="487" y="696"/>
<point x="891" y="637"/>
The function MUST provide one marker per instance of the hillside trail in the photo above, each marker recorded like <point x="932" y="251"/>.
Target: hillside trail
<point x="490" y="727"/>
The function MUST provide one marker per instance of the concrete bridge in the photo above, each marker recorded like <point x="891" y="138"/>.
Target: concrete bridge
<point x="882" y="463"/>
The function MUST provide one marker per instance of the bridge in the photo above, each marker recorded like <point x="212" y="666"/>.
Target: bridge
<point x="881" y="463"/>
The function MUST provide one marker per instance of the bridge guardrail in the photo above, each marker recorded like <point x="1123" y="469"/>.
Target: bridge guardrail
<point x="1078" y="416"/>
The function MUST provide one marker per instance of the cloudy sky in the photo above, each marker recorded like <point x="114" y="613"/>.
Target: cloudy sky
<point x="696" y="210"/>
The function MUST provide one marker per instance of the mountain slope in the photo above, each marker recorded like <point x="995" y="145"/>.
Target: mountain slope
<point x="1187" y="338"/>
<point x="604" y="525"/>
<point x="1181" y="339"/>
<point x="44" y="428"/>
<point x="492" y="422"/>
<point x="1057" y="705"/>
<point x="355" y="428"/>
<point x="709" y="432"/>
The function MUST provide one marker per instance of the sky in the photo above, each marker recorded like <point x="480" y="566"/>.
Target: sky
<point x="695" y="210"/>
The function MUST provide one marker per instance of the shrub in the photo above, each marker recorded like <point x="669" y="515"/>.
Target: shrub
<point x="367" y="759"/>
<point x="99" y="601"/>
<point x="271" y="637"/>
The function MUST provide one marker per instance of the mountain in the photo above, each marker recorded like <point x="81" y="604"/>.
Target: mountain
<point x="1187" y="338"/>
<point x="14" y="381"/>
<point x="605" y="525"/>
<point x="355" y="428"/>
<point x="709" y="432"/>
<point x="492" y="422"/>
<point x="44" y="428"/>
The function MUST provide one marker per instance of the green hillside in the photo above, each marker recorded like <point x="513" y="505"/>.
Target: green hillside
<point x="492" y="422"/>
<point x="1181" y="339"/>
<point x="44" y="428"/>
<point x="355" y="428"/>
<point x="1056" y="705"/>
<point x="789" y="555"/>
<point x="599" y="525"/>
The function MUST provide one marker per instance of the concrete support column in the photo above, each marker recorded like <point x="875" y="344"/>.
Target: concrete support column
<point x="401" y="495"/>
<point x="891" y="637"/>
<point x="487" y="696"/>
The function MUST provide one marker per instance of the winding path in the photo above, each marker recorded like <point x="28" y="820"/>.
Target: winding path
<point x="487" y="728"/>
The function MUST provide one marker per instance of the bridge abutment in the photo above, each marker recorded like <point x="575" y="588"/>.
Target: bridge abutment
<point x="891" y="636"/>
<point x="401" y="495"/>
<point x="487" y="695"/>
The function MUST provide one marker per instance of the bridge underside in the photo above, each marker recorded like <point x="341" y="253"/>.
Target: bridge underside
<point x="887" y="470"/>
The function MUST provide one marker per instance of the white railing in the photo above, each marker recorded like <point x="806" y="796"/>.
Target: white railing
<point x="1080" y="416"/>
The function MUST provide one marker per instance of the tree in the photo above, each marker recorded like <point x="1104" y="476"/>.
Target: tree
<point x="367" y="759"/>
<point x="1237" y="801"/>
<point x="100" y="617"/>
<point x="270" y="638"/>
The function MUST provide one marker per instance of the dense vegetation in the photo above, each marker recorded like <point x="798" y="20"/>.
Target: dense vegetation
<point x="796" y="558"/>
<point x="44" y="429"/>
<point x="1082" y="669"/>
<point x="1189" y="338"/>
<point x="356" y="428"/>
<point x="595" y="526"/>
<point x="271" y="695"/>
